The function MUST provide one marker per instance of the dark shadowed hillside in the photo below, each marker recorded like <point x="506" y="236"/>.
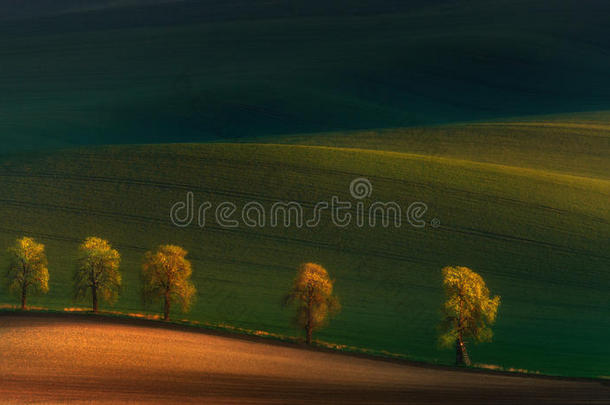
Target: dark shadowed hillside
<point x="76" y="73"/>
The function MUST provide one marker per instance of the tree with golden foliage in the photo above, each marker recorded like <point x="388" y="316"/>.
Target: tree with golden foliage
<point x="166" y="274"/>
<point x="97" y="274"/>
<point x="312" y="293"/>
<point x="468" y="312"/>
<point x="27" y="271"/>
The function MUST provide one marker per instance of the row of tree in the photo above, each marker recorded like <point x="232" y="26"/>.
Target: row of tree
<point x="165" y="274"/>
<point x="467" y="313"/>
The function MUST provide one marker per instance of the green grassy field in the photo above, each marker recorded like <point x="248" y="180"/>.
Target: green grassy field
<point x="571" y="144"/>
<point x="133" y="71"/>
<point x="538" y="236"/>
<point x="306" y="96"/>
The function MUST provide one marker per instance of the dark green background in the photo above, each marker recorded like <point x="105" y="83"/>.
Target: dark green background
<point x="174" y="71"/>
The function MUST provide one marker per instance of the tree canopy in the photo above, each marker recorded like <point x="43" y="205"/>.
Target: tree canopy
<point x="312" y="293"/>
<point x="166" y="274"/>
<point x="468" y="311"/>
<point x="27" y="271"/>
<point x="97" y="274"/>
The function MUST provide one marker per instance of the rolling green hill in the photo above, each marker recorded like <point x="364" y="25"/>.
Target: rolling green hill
<point x="307" y="96"/>
<point x="571" y="144"/>
<point x="538" y="237"/>
<point x="134" y="71"/>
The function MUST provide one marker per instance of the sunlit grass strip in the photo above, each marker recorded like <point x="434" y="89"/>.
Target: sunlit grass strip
<point x="509" y="369"/>
<point x="591" y="126"/>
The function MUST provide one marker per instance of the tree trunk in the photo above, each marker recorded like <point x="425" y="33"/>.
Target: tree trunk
<point x="167" y="307"/>
<point x="309" y="325"/>
<point x="308" y="333"/>
<point x="94" y="296"/>
<point x="23" y="296"/>
<point x="461" y="354"/>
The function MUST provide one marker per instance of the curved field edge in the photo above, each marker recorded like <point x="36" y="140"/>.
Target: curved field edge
<point x="113" y="360"/>
<point x="260" y="336"/>
<point x="538" y="238"/>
